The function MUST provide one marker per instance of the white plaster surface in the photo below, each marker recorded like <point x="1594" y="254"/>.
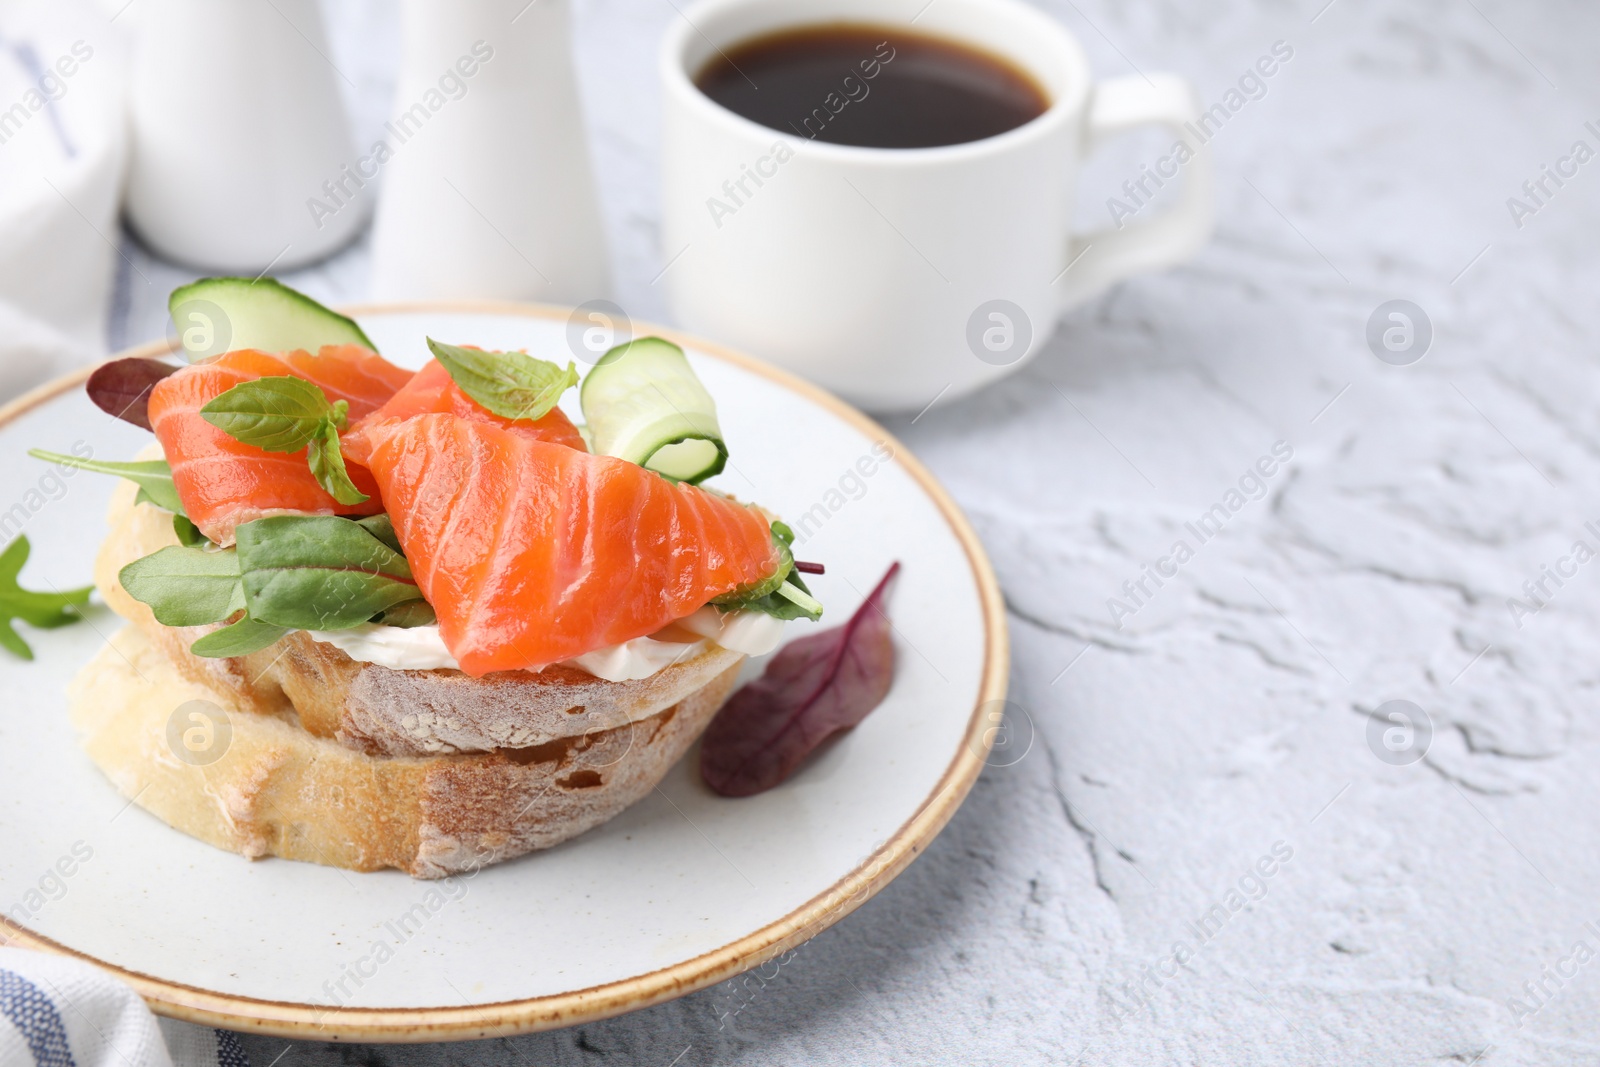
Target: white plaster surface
<point x="1230" y="712"/>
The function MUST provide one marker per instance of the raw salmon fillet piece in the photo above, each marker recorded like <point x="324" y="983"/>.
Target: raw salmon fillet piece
<point x="433" y="391"/>
<point x="224" y="482"/>
<point x="532" y="552"/>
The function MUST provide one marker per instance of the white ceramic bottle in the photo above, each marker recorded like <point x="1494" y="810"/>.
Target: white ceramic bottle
<point x="487" y="186"/>
<point x="237" y="124"/>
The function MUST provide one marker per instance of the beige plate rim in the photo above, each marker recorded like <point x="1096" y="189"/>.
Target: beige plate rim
<point x="508" y="1018"/>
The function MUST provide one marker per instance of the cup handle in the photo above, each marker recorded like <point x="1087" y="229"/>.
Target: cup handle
<point x="1101" y="257"/>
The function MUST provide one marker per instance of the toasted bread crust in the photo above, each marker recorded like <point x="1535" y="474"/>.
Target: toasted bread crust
<point x="390" y="712"/>
<point x="275" y="789"/>
<point x="333" y="761"/>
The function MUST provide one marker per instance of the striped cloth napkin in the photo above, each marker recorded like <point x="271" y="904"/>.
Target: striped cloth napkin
<point x="61" y="1012"/>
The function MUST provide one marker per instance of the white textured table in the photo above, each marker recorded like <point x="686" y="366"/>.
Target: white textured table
<point x="1228" y="717"/>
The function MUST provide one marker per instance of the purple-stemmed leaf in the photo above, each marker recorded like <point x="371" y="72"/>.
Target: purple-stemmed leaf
<point x="812" y="689"/>
<point x="122" y="388"/>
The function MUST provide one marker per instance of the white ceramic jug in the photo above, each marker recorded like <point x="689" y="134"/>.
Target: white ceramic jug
<point x="237" y="130"/>
<point x="488" y="190"/>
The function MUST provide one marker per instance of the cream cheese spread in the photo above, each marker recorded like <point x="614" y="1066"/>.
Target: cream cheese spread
<point x="421" y="648"/>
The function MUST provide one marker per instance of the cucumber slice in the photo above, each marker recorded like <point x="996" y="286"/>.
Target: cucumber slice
<point x="217" y="315"/>
<point x="643" y="403"/>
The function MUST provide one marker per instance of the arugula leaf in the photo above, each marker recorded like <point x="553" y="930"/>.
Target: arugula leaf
<point x="782" y="594"/>
<point x="154" y="476"/>
<point x="240" y="639"/>
<point x="319" y="572"/>
<point x="513" y="385"/>
<point x="186" y="586"/>
<point x="44" y="610"/>
<point x="282" y="413"/>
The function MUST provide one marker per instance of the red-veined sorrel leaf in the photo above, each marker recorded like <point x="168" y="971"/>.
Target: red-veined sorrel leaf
<point x="812" y="689"/>
<point x="122" y="388"/>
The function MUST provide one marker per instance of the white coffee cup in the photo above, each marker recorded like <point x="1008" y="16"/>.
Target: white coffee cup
<point x="894" y="276"/>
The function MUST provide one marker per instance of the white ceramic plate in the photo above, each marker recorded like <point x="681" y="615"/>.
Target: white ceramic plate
<point x="681" y="891"/>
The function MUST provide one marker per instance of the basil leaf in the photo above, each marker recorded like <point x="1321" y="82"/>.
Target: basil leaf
<point x="411" y="613"/>
<point x="44" y="610"/>
<point x="188" y="533"/>
<point x="327" y="465"/>
<point x="513" y="385"/>
<point x="154" y="476"/>
<point x="319" y="572"/>
<point x="240" y="639"/>
<point x="186" y="586"/>
<point x="281" y="413"/>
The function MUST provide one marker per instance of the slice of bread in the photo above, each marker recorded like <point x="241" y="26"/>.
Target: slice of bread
<point x="391" y="712"/>
<point x="261" y="785"/>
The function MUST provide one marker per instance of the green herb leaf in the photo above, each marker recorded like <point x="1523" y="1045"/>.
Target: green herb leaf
<point x="327" y="465"/>
<point x="275" y="414"/>
<point x="513" y="385"/>
<point x="782" y="594"/>
<point x="800" y="604"/>
<point x="791" y="600"/>
<point x="44" y="610"/>
<point x="13" y="643"/>
<point x="381" y="527"/>
<point x="154" y="476"/>
<point x="288" y="572"/>
<point x="240" y="639"/>
<point x="283" y="413"/>
<point x="187" y="532"/>
<point x="186" y="586"/>
<point x="319" y="572"/>
<point x="756" y="590"/>
<point x="411" y="613"/>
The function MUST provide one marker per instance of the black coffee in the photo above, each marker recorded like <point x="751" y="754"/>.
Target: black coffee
<point x="872" y="86"/>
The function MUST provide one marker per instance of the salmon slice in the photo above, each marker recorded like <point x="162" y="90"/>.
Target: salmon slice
<point x="532" y="553"/>
<point x="224" y="482"/>
<point x="433" y="391"/>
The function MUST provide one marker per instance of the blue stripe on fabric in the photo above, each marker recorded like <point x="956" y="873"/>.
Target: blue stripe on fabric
<point x="30" y="61"/>
<point x="36" y="1018"/>
<point x="229" y="1052"/>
